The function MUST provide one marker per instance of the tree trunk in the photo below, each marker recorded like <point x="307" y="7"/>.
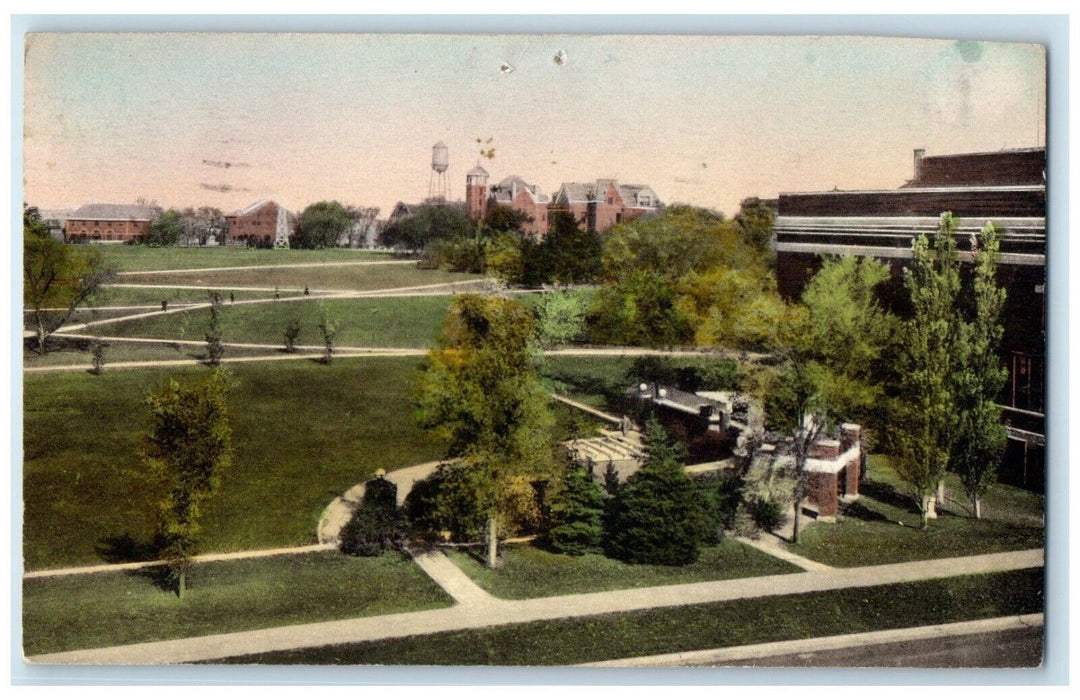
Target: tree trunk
<point x="795" y="522"/>
<point x="977" y="503"/>
<point x="493" y="542"/>
<point x="181" y="581"/>
<point x="41" y="335"/>
<point x="941" y="491"/>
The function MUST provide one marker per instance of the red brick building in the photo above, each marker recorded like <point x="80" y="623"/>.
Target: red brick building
<point x="263" y="223"/>
<point x="1006" y="187"/>
<point x="520" y="196"/>
<point x="110" y="223"/>
<point x="605" y="203"/>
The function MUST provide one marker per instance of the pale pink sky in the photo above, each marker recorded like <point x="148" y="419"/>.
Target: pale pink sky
<point x="703" y="120"/>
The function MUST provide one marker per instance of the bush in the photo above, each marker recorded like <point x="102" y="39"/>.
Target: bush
<point x="376" y="524"/>
<point x="444" y="502"/>
<point x="292" y="332"/>
<point x="767" y="515"/>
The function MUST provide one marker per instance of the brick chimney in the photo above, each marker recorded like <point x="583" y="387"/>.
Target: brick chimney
<point x="919" y="153"/>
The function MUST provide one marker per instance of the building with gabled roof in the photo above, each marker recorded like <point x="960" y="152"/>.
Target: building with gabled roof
<point x="263" y="224"/>
<point x="110" y="223"/>
<point x="605" y="203"/>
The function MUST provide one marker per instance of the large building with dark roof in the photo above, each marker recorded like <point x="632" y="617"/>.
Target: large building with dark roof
<point x="1006" y="187"/>
<point x="110" y="223"/>
<point x="605" y="203"/>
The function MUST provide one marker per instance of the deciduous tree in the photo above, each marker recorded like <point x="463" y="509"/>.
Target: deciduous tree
<point x="58" y="278"/>
<point x="925" y="427"/>
<point x="980" y="436"/>
<point x="186" y="450"/>
<point x="480" y="393"/>
<point x="320" y="226"/>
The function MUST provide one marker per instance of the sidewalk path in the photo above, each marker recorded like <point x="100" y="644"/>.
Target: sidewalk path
<point x="198" y="558"/>
<point x="476" y="614"/>
<point x="753" y="652"/>
<point x="350" y="263"/>
<point x="771" y="545"/>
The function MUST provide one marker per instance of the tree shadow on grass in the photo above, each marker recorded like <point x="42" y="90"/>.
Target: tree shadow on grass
<point x="859" y="511"/>
<point x="887" y="494"/>
<point x="125" y="549"/>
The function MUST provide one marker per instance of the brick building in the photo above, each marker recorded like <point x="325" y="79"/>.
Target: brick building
<point x="110" y="223"/>
<point x="602" y="204"/>
<point x="264" y="223"/>
<point x="1006" y="187"/>
<point x="512" y="191"/>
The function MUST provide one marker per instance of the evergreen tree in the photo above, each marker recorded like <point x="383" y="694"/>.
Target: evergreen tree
<point x="980" y="436"/>
<point x="657" y="518"/>
<point x="376" y="524"/>
<point x="577" y="510"/>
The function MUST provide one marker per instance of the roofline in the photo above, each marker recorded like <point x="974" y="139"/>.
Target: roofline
<point x="910" y="190"/>
<point x="1030" y="149"/>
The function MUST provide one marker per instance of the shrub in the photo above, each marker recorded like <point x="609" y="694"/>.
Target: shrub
<point x="97" y="351"/>
<point x="766" y="514"/>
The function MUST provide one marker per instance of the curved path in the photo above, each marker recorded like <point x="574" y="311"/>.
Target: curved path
<point x="475" y="611"/>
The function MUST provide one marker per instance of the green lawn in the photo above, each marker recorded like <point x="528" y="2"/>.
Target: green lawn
<point x="353" y="277"/>
<point x="691" y="627"/>
<point x="530" y="572"/>
<point x="412" y="322"/>
<point x="96" y="610"/>
<point x="76" y="352"/>
<point x="595" y="381"/>
<point x="301" y="437"/>
<point x="869" y="531"/>
<point x="124" y="258"/>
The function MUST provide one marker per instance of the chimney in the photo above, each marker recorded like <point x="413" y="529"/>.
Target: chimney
<point x="919" y="153"/>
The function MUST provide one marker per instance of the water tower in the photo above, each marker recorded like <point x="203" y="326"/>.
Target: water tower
<point x="438" y="184"/>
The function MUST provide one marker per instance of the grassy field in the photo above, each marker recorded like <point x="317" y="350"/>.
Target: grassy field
<point x="529" y="572"/>
<point x="352" y="278"/>
<point x="691" y="627"/>
<point x="869" y="530"/>
<point x="96" y="610"/>
<point x="124" y="258"/>
<point x="379" y="322"/>
<point x="301" y="437"/>
<point x="76" y="352"/>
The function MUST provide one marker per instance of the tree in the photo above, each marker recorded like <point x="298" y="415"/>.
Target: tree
<point x="845" y="335"/>
<point x="980" y="436"/>
<point x="214" y="348"/>
<point x="657" y="517"/>
<point x="292" y="332"/>
<point x="571" y="254"/>
<point x="166" y="230"/>
<point x="639" y="310"/>
<point x="320" y="226"/>
<point x="58" y="278"/>
<point x="755" y="219"/>
<point x="479" y="393"/>
<point x="199" y="226"/>
<point x="329" y="327"/>
<point x="925" y="424"/>
<point x="561" y="317"/>
<point x="576" y="514"/>
<point x="429" y="222"/>
<point x="503" y="218"/>
<point x="361" y="220"/>
<point x="186" y="450"/>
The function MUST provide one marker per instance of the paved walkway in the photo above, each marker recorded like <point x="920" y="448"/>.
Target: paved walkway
<point x="734" y="655"/>
<point x="268" y="267"/>
<point x="771" y="545"/>
<point x="476" y="612"/>
<point x="586" y="408"/>
<point x="200" y="558"/>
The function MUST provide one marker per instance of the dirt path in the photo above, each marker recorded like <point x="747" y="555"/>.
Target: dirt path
<point x="475" y="612"/>
<point x="351" y="263"/>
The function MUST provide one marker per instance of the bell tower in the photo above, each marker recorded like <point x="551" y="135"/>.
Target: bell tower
<point x="476" y="193"/>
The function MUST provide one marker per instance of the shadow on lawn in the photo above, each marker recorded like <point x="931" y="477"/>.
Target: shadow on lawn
<point x="125" y="549"/>
<point x="887" y="494"/>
